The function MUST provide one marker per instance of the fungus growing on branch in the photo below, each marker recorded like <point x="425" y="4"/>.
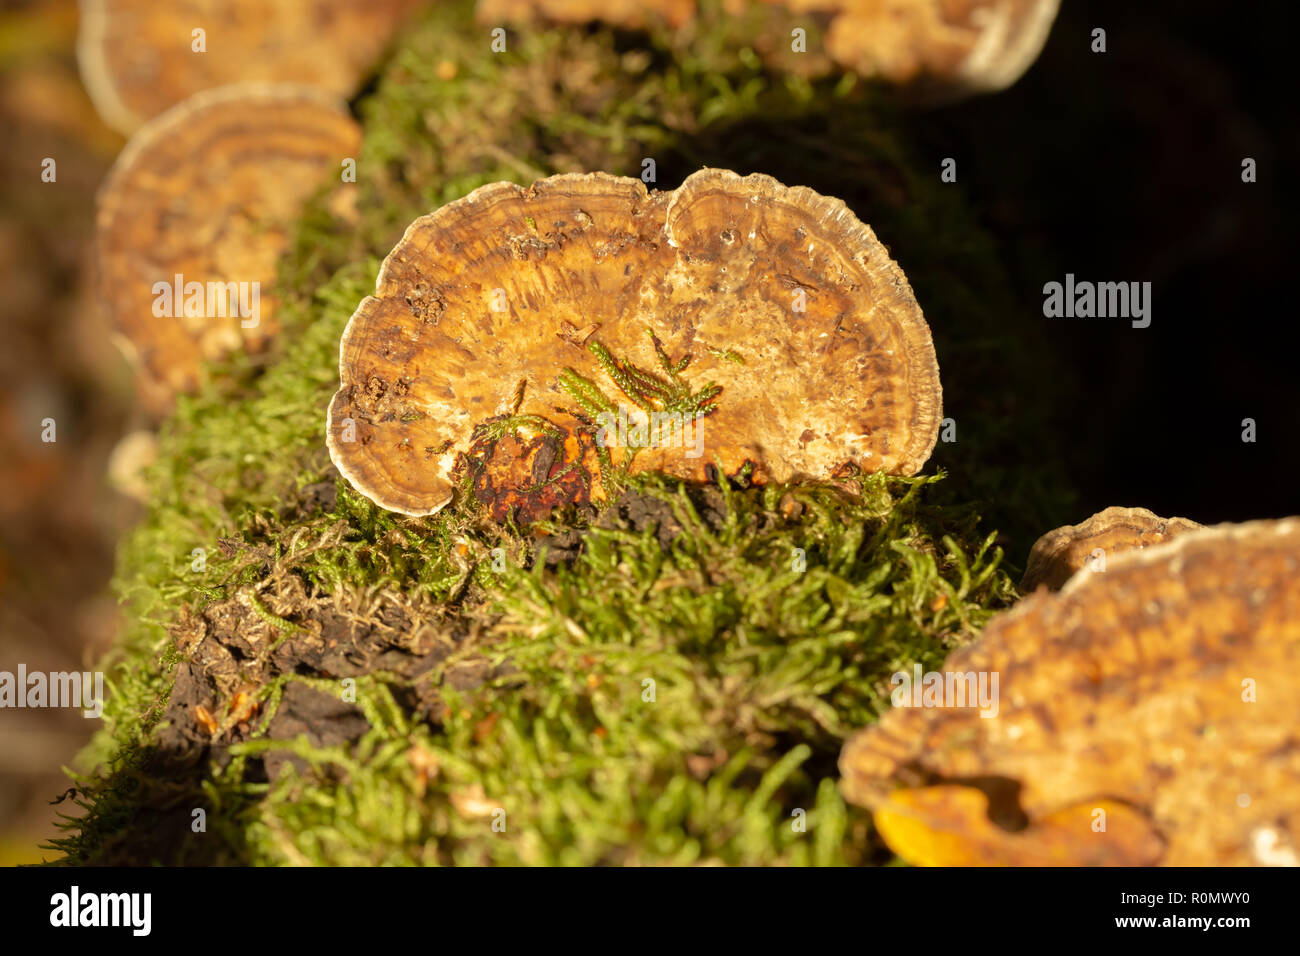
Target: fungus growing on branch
<point x="1060" y="553"/>
<point x="140" y="57"/>
<point x="194" y="216"/>
<point x="1141" y="715"/>
<point x="599" y="329"/>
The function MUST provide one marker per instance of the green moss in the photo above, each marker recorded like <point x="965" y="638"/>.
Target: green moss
<point x="768" y="620"/>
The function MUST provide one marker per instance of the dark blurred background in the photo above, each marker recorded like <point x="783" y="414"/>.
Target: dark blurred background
<point x="1122" y="166"/>
<point x="1127" y="166"/>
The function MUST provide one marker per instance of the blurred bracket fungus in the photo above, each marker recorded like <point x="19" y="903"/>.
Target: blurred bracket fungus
<point x="938" y="49"/>
<point x="949" y="47"/>
<point x="140" y="57"/>
<point x="1057" y="555"/>
<point x="1146" y="715"/>
<point x="538" y="343"/>
<point x="194" y="215"/>
<point x="129" y="463"/>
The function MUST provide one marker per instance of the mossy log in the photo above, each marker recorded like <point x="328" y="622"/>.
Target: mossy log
<point x="669" y="680"/>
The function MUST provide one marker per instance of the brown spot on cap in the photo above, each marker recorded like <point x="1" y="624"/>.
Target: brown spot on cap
<point x="207" y="192"/>
<point x="480" y="295"/>
<point x="527" y="473"/>
<point x="1163" y="685"/>
<point x="137" y="60"/>
<point x="1059" y="554"/>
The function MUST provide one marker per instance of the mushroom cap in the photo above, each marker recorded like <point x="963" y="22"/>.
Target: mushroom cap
<point x="953" y="46"/>
<point x="208" y="191"/>
<point x="1059" y="554"/>
<point x="580" y="262"/>
<point x="1129" y="687"/>
<point x="137" y="60"/>
<point x="970" y="45"/>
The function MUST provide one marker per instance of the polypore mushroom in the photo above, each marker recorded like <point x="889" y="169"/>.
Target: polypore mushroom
<point x="522" y="329"/>
<point x="1059" y="554"/>
<point x="971" y="46"/>
<point x="943" y="46"/>
<point x="1142" y="715"/>
<point x="194" y="215"/>
<point x="139" y="57"/>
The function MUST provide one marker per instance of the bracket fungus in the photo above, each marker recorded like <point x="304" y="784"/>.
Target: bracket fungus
<point x="194" y="215"/>
<point x="970" y="46"/>
<point x="545" y="340"/>
<point x="944" y="47"/>
<point x="1057" y="555"/>
<point x="1146" y="715"/>
<point x="139" y="57"/>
